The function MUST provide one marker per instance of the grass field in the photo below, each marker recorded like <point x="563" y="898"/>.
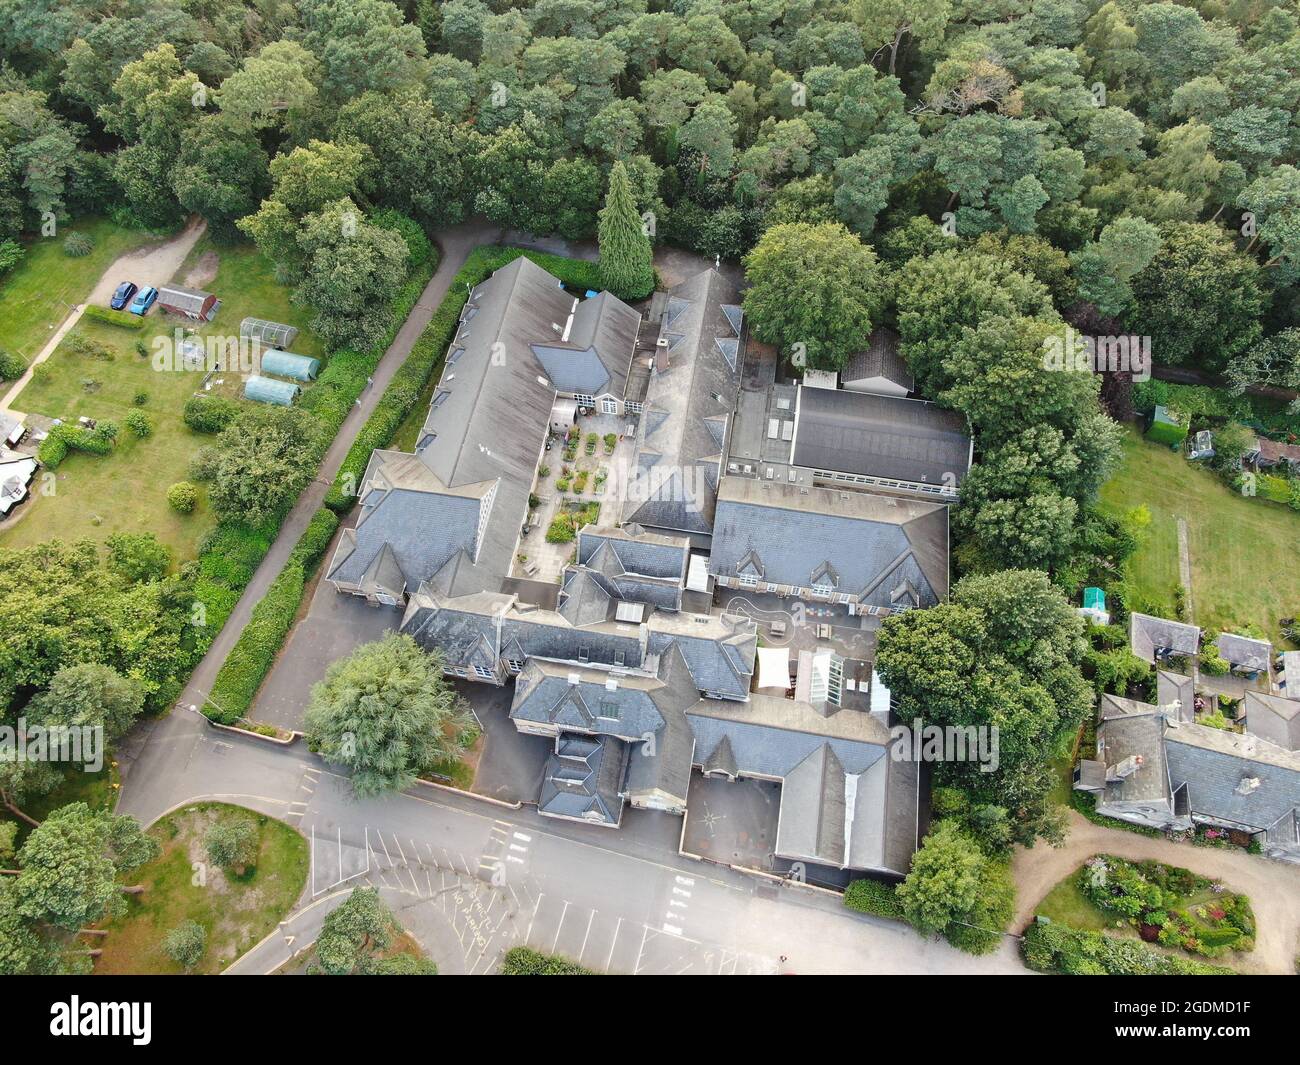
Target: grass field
<point x="97" y="496"/>
<point x="1067" y="904"/>
<point x="1242" y="550"/>
<point x="237" y="912"/>
<point x="35" y="298"/>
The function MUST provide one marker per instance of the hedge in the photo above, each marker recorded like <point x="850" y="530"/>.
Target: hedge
<point x="409" y="383"/>
<point x="871" y="896"/>
<point x="1052" y="947"/>
<point x="524" y="961"/>
<point x="125" y="319"/>
<point x="64" y="438"/>
<point x="250" y="659"/>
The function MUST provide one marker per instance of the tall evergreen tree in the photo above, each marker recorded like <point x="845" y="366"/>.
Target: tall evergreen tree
<point x="626" y="266"/>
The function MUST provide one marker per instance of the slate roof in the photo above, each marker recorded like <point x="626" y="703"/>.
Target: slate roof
<point x="844" y="801"/>
<point x="1244" y="652"/>
<point x="863" y="544"/>
<point x="880" y="436"/>
<point x="880" y="358"/>
<point x="1131" y="728"/>
<point x="409" y="527"/>
<point x="598" y="353"/>
<point x="1274" y="718"/>
<point x="581" y="779"/>
<point x="1179" y="687"/>
<point x="635" y="566"/>
<point x="1146" y="634"/>
<point x="1213" y="763"/>
<point x="682" y="430"/>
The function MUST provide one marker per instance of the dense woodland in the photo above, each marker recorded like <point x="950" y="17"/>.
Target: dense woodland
<point x="973" y="173"/>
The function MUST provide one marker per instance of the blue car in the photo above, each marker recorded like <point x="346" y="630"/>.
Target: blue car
<point x="145" y="300"/>
<point x="123" y="295"/>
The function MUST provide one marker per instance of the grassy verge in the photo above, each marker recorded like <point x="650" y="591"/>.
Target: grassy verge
<point x="236" y="912"/>
<point x="395" y="415"/>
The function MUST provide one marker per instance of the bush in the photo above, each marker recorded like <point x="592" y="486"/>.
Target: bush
<point x="203" y="463"/>
<point x="78" y="245"/>
<point x="12" y="366"/>
<point x="418" y="246"/>
<point x="140" y="398"/>
<point x="11" y="254"/>
<point x="209" y="414"/>
<point x="524" y="961"/>
<point x="63" y="438"/>
<point x="871" y="896"/>
<point x="124" y="319"/>
<point x="561" y="529"/>
<point x="232" y="843"/>
<point x="1051" y="947"/>
<point x="139" y="423"/>
<point x="182" y="497"/>
<point x="185" y="943"/>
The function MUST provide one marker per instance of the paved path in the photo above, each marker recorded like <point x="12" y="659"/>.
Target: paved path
<point x="154" y="264"/>
<point x="1273" y="887"/>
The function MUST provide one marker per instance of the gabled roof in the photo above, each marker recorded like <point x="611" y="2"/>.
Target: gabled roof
<point x="1245" y="652"/>
<point x="880" y="436"/>
<point x="596" y="356"/>
<point x="682" y="429"/>
<point x="872" y="544"/>
<point x="1217" y="766"/>
<point x="1147" y="635"/>
<point x="1274" y="718"/>
<point x="1174" y="687"/>
<point x="581" y="779"/>
<point x="880" y="358"/>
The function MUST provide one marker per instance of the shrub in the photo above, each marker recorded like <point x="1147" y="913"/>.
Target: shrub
<point x="209" y="414"/>
<point x="1051" y="947"/>
<point x="183" y="497"/>
<point x="524" y="961"/>
<point x="11" y="254"/>
<point x="418" y="246"/>
<point x="124" y="319"/>
<point x="185" y="943"/>
<point x="561" y="529"/>
<point x="871" y="896"/>
<point x="140" y="398"/>
<point x="203" y="463"/>
<point x="63" y="438"/>
<point x="139" y="423"/>
<point x="78" y="245"/>
<point x="12" y="366"/>
<point x="232" y="843"/>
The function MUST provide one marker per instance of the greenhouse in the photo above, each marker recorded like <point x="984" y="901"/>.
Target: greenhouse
<point x="269" y="390"/>
<point x="286" y="364"/>
<point x="269" y="334"/>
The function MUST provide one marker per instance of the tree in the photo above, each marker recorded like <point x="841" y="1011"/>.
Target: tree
<point x="363" y="44"/>
<point x="232" y="842"/>
<point x="352" y="931"/>
<point x="386" y="713"/>
<point x="945" y="881"/>
<point x="887" y="22"/>
<point x="88" y="695"/>
<point x="862" y="188"/>
<point x="185" y="943"/>
<point x="266" y="460"/>
<point x="221" y="175"/>
<point x="626" y="257"/>
<point x="139" y="556"/>
<point x="815" y="286"/>
<point x="68" y="867"/>
<point x="276" y="87"/>
<point x="1199" y="296"/>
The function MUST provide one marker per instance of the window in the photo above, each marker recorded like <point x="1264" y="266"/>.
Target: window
<point x="609" y="406"/>
<point x="633" y="407"/>
<point x="484" y="672"/>
<point x="516" y="665"/>
<point x="619" y="658"/>
<point x="584" y="399"/>
<point x="609" y="710"/>
<point x="584" y="654"/>
<point x="748" y="581"/>
<point x="822" y="589"/>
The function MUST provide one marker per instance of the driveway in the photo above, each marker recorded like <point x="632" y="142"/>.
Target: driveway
<point x="1273" y="887"/>
<point x="155" y="264"/>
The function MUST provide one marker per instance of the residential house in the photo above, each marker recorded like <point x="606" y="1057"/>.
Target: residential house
<point x="1155" y="639"/>
<point x="1245" y="654"/>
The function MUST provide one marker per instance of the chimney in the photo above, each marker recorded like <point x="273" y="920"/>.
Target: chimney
<point x="661" y="355"/>
<point x="1248" y="786"/>
<point x="575" y="679"/>
<point x="611" y="683"/>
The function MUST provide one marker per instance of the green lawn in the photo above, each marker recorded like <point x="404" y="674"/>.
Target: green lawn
<point x="1242" y="550"/>
<point x="1067" y="904"/>
<point x="237" y="912"/>
<point x="96" y="790"/>
<point x="35" y="298"/>
<point x="96" y="496"/>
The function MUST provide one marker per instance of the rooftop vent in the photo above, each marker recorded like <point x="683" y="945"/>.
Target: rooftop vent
<point x="575" y="679"/>
<point x="1248" y="786"/>
<point x="611" y="683"/>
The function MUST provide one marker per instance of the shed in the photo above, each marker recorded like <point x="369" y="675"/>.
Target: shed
<point x="269" y="390"/>
<point x="269" y="334"/>
<point x="286" y="364"/>
<point x="1167" y="427"/>
<point x="200" y="306"/>
<point x="1202" y="446"/>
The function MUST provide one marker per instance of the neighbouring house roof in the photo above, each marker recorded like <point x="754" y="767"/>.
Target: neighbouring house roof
<point x="1174" y="687"/>
<point x="16" y="473"/>
<point x="844" y="801"/>
<point x="683" y="427"/>
<point x="862" y="544"/>
<point x="597" y="354"/>
<point x="1148" y="634"/>
<point x="1131" y="729"/>
<point x="1273" y="718"/>
<point x="880" y="358"/>
<point x="1272" y="452"/>
<point x="184" y="299"/>
<point x="1218" y="767"/>
<point x="1245" y="652"/>
<point x="880" y="436"/>
<point x="631" y="565"/>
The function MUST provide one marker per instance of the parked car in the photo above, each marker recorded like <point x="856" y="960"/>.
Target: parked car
<point x="145" y="300"/>
<point x="123" y="295"/>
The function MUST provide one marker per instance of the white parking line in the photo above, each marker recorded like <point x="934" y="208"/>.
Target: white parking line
<point x="559" y="926"/>
<point x="586" y="935"/>
<point x="609" y="960"/>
